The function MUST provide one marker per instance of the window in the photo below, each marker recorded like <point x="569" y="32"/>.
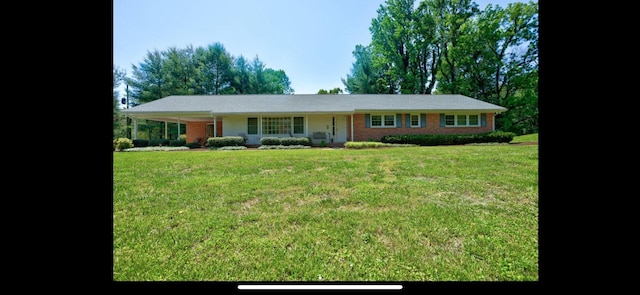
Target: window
<point x="252" y="125"/>
<point x="449" y="120"/>
<point x="383" y="120"/>
<point x="276" y="125"/>
<point x="389" y="120"/>
<point x="281" y="125"/>
<point x="415" y="121"/>
<point x="462" y="120"/>
<point x="298" y="125"/>
<point x="376" y="120"/>
<point x="473" y="120"/>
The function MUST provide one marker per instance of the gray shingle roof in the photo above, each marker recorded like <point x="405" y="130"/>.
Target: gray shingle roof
<point x="311" y="103"/>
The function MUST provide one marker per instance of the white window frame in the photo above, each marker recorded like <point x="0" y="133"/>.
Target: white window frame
<point x="257" y="126"/>
<point x="267" y="120"/>
<point x="457" y="117"/>
<point x="411" y="120"/>
<point x="293" y="124"/>
<point x="382" y="121"/>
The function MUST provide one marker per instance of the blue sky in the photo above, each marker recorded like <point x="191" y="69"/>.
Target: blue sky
<point x="311" y="40"/>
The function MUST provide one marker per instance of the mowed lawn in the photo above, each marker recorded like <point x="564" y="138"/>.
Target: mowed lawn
<point x="443" y="213"/>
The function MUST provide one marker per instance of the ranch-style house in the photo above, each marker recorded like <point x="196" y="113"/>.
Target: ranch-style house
<point x="333" y="118"/>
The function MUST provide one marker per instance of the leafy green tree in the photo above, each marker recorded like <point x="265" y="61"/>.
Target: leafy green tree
<point x="118" y="78"/>
<point x="276" y="82"/>
<point x="451" y="46"/>
<point x="257" y="80"/>
<point x="148" y="82"/>
<point x="180" y="70"/>
<point x="332" y="91"/>
<point x="364" y="75"/>
<point x="118" y="126"/>
<point x="495" y="59"/>
<point x="241" y="76"/>
<point x="450" y="18"/>
<point x="516" y="76"/>
<point x="216" y="70"/>
<point x="210" y="70"/>
<point x="408" y="42"/>
<point x="391" y="37"/>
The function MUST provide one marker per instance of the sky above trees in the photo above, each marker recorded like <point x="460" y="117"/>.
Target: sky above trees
<point x="311" y="40"/>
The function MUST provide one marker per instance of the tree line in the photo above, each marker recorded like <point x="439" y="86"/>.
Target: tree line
<point x="453" y="47"/>
<point x="209" y="70"/>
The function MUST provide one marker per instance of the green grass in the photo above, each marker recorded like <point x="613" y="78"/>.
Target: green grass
<point x="444" y="213"/>
<point x="526" y="138"/>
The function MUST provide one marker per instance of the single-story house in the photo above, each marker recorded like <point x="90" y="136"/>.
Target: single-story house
<point x="336" y="118"/>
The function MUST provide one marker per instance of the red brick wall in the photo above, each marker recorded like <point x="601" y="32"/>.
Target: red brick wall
<point x="361" y="133"/>
<point x="197" y="130"/>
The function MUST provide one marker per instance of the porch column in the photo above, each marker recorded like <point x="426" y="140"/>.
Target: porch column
<point x="166" y="129"/>
<point x="215" y="126"/>
<point x="178" y="136"/>
<point x="306" y="125"/>
<point x="352" y="127"/>
<point x="135" y="128"/>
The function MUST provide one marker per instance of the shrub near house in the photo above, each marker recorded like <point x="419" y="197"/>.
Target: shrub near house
<point x="449" y="139"/>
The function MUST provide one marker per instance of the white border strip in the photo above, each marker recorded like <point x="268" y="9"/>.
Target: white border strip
<point x="320" y="287"/>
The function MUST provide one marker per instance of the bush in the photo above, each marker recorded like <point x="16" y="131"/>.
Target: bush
<point x="286" y="141"/>
<point x="140" y="143"/>
<point x="159" y="142"/>
<point x="295" y="141"/>
<point x="500" y="136"/>
<point x="283" y="147"/>
<point x="270" y="141"/>
<point x="122" y="144"/>
<point x="448" y="139"/>
<point x="373" y="144"/>
<point x="215" y="142"/>
<point x="365" y="144"/>
<point x="177" y="142"/>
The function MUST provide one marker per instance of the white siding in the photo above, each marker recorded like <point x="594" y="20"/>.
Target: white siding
<point x="236" y="125"/>
<point x="233" y="126"/>
<point x="320" y="123"/>
<point x="341" y="129"/>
